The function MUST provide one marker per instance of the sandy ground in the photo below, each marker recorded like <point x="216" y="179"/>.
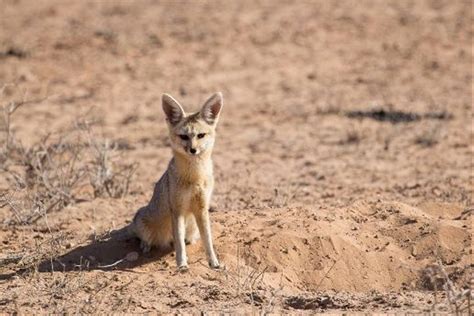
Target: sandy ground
<point x="320" y="204"/>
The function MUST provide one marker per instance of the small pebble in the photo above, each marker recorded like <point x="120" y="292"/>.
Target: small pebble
<point x="132" y="256"/>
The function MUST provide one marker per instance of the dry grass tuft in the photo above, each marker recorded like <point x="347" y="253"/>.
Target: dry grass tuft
<point x="59" y="170"/>
<point x="248" y="283"/>
<point x="457" y="299"/>
<point x="106" y="177"/>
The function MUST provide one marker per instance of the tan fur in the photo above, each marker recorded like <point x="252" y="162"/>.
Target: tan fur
<point x="178" y="210"/>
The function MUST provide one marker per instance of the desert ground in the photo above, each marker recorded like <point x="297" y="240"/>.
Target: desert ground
<point x="343" y="163"/>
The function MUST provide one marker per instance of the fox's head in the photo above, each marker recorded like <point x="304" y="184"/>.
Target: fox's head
<point x="192" y="134"/>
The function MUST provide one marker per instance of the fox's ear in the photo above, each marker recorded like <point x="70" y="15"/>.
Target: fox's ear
<point x="173" y="110"/>
<point x="212" y="107"/>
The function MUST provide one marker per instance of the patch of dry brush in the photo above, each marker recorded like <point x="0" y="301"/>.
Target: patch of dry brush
<point x="60" y="169"/>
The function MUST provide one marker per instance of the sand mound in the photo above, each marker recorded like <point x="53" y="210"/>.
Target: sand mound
<point x="379" y="246"/>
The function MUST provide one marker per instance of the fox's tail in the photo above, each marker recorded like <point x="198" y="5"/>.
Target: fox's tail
<point x="124" y="233"/>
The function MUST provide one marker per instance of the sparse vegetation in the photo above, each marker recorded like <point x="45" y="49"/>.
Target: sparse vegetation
<point x="57" y="170"/>
<point x="458" y="300"/>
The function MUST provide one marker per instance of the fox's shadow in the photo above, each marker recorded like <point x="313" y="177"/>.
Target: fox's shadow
<point x="114" y="252"/>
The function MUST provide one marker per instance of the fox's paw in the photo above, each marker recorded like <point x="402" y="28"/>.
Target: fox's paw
<point x="144" y="246"/>
<point x="214" y="264"/>
<point x="183" y="268"/>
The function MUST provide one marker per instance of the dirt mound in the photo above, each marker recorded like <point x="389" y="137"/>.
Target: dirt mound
<point x="380" y="246"/>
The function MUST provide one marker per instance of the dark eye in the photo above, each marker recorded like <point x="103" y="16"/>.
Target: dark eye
<point x="201" y="135"/>
<point x="184" y="137"/>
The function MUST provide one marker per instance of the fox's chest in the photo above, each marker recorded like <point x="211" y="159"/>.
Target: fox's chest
<point x="193" y="187"/>
<point x="194" y="195"/>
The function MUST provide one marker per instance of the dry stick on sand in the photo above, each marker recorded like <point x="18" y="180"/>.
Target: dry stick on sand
<point x="130" y="257"/>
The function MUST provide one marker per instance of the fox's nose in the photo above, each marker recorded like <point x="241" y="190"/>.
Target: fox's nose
<point x="192" y="151"/>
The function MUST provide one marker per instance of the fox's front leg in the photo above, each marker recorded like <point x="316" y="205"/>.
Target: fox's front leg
<point x="179" y="232"/>
<point x="204" y="225"/>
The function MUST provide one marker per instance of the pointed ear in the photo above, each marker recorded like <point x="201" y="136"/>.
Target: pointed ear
<point x="212" y="107"/>
<point x="173" y="110"/>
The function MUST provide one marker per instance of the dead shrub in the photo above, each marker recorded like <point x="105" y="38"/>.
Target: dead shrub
<point x="59" y="170"/>
<point x="458" y="299"/>
<point x="107" y="177"/>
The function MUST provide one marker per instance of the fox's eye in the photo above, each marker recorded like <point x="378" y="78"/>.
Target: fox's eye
<point x="201" y="135"/>
<point x="184" y="137"/>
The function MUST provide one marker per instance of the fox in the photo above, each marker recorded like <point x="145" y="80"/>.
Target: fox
<point x="178" y="211"/>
